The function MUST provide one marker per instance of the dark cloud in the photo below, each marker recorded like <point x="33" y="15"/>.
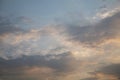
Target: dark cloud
<point x="45" y="65"/>
<point x="113" y="69"/>
<point x="111" y="72"/>
<point x="61" y="62"/>
<point x="107" y="28"/>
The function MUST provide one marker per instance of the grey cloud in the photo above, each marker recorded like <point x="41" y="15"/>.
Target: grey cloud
<point x="90" y="35"/>
<point x="8" y="26"/>
<point x="107" y="72"/>
<point x="62" y="64"/>
<point x="107" y="28"/>
<point x="113" y="69"/>
<point x="16" y="68"/>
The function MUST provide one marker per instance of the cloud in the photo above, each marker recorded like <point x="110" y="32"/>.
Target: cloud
<point x="28" y="42"/>
<point x="24" y="19"/>
<point x="106" y="29"/>
<point x="46" y="39"/>
<point x="91" y="39"/>
<point x="110" y="71"/>
<point x="7" y="26"/>
<point x="60" y="63"/>
<point x="64" y="51"/>
<point x="113" y="69"/>
<point x="105" y="12"/>
<point x="38" y="67"/>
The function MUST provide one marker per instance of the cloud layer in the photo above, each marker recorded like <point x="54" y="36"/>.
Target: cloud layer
<point x="64" y="51"/>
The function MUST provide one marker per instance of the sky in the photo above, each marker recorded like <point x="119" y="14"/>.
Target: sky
<point x="44" y="12"/>
<point x="59" y="39"/>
